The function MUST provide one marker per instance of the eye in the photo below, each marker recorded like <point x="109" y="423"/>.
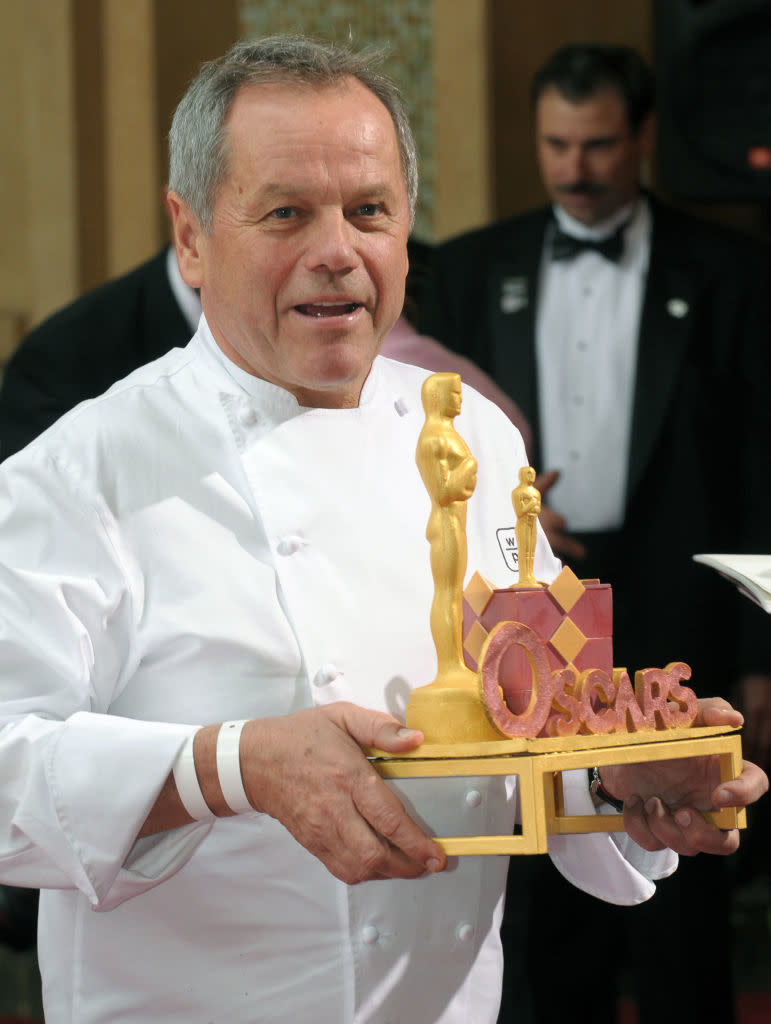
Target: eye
<point x="369" y="209"/>
<point x="283" y="212"/>
<point x="600" y="145"/>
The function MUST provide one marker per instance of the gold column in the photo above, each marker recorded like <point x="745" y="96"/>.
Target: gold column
<point x="130" y="134"/>
<point x="463" y="184"/>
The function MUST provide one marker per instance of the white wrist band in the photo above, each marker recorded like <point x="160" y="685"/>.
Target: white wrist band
<point x="188" y="787"/>
<point x="229" y="767"/>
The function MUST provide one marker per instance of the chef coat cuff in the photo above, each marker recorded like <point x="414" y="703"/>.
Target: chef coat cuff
<point x="104" y="774"/>
<point x="610" y="866"/>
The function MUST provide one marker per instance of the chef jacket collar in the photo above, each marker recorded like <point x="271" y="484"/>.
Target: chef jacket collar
<point x="275" y="402"/>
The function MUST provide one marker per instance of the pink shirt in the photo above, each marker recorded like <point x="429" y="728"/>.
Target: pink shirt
<point x="404" y="344"/>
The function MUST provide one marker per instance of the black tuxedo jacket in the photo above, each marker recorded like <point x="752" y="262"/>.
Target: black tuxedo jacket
<point x="84" y="348"/>
<point x="701" y="430"/>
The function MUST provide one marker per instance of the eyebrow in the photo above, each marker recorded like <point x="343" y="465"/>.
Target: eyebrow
<point x="279" y="190"/>
<point x="593" y="140"/>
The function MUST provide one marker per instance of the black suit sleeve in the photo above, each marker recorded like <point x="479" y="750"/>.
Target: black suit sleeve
<point x="83" y="349"/>
<point x="457" y="272"/>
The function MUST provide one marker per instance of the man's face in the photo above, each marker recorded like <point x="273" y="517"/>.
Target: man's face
<point x="588" y="156"/>
<point x="302" y="274"/>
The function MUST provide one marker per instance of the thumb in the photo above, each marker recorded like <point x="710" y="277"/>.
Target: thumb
<point x="394" y="737"/>
<point x="545" y="481"/>
<point x="378" y="729"/>
<point x="717" y="711"/>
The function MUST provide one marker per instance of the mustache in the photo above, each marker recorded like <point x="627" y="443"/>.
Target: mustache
<point x="582" y="188"/>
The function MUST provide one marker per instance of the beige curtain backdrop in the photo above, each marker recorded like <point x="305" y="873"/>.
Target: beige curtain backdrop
<point x="91" y="85"/>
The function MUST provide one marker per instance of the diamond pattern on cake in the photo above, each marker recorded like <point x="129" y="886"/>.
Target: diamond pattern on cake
<point x="579" y="635"/>
<point x="478" y="593"/>
<point x="474" y="640"/>
<point x="567" y="640"/>
<point x="566" y="589"/>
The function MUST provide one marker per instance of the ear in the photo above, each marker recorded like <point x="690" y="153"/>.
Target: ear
<point x="187" y="235"/>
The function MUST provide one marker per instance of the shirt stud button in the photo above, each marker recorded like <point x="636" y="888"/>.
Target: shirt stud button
<point x="289" y="545"/>
<point x="473" y="798"/>
<point x="369" y="935"/>
<point x="326" y="674"/>
<point x="465" y="931"/>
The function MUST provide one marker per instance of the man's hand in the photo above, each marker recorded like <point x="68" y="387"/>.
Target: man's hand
<point x="553" y="524"/>
<point x="662" y="798"/>
<point x="308" y="771"/>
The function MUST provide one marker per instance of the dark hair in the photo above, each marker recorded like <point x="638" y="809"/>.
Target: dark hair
<point x="580" y="70"/>
<point x="198" y="155"/>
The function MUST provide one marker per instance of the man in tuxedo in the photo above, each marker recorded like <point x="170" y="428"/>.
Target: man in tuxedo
<point x="636" y="341"/>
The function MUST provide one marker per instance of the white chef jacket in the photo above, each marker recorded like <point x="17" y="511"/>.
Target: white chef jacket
<point x="194" y="547"/>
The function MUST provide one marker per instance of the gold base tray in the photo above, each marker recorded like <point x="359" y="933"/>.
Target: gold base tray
<point x="539" y="764"/>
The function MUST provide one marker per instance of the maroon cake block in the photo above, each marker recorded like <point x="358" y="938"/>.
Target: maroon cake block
<point x="573" y="617"/>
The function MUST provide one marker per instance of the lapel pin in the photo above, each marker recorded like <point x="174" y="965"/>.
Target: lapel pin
<point x="513" y="294"/>
<point x="677" y="308"/>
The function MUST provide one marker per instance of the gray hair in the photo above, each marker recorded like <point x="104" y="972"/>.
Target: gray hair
<point x="198" y="159"/>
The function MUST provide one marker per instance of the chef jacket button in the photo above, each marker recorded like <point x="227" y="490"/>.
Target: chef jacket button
<point x="465" y="931"/>
<point x="473" y="798"/>
<point x="369" y="935"/>
<point x="326" y="674"/>
<point x="248" y="417"/>
<point x="289" y="545"/>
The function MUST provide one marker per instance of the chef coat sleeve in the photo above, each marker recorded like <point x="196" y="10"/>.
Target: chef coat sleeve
<point x="608" y="865"/>
<point x="76" y="783"/>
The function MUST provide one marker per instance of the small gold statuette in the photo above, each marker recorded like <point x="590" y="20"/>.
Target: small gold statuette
<point x="526" y="500"/>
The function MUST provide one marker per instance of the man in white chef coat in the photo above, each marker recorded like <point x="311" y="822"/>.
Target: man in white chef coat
<point x="215" y="587"/>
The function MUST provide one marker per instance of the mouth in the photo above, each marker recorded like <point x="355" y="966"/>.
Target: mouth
<point x="582" y="188"/>
<point x="321" y="310"/>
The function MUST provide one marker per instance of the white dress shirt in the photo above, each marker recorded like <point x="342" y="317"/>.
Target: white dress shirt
<point x="586" y="348"/>
<point x="194" y="547"/>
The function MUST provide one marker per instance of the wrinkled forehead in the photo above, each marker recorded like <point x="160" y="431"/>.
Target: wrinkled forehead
<point x="603" y="112"/>
<point x="342" y="112"/>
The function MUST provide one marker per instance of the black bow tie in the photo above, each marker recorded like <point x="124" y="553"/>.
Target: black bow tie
<point x="565" y="247"/>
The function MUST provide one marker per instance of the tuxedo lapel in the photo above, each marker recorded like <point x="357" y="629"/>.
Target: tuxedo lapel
<point x="665" y="328"/>
<point x="512" y="285"/>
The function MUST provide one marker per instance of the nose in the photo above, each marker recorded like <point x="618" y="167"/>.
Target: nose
<point x="331" y="244"/>
<point x="575" y="164"/>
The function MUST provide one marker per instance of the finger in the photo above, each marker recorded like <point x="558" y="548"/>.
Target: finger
<point x="698" y="835"/>
<point x="717" y="711"/>
<point x="551" y="522"/>
<point x="545" y="481"/>
<point x="379" y="806"/>
<point x="749" y="787"/>
<point x="686" y="831"/>
<point x="663" y="826"/>
<point x="335" y="831"/>
<point x="564" y="544"/>
<point x="637" y="826"/>
<point x="361" y="855"/>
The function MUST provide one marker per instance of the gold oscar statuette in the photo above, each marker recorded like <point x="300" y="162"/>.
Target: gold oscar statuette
<point x="449" y="708"/>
